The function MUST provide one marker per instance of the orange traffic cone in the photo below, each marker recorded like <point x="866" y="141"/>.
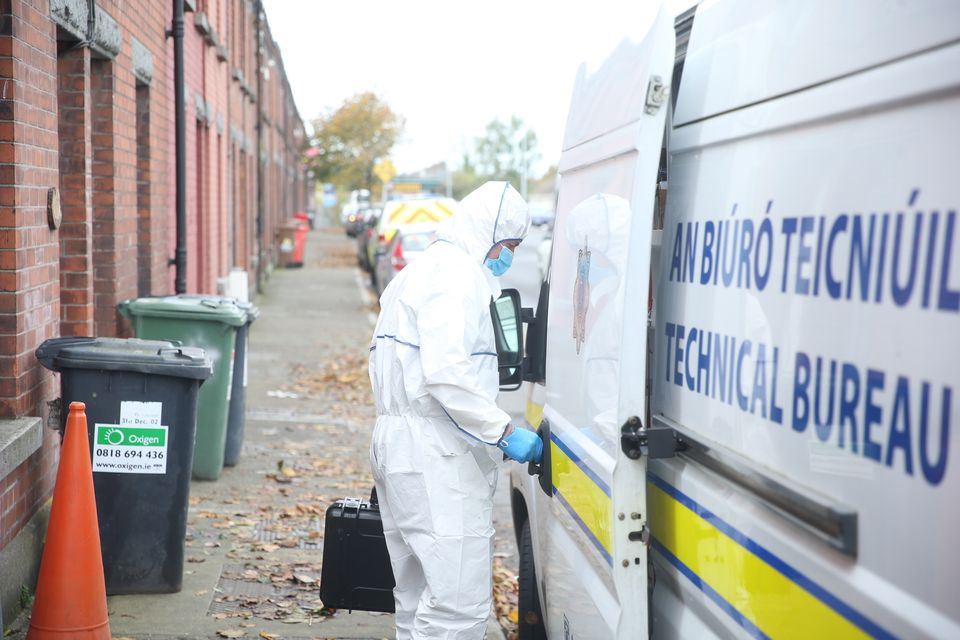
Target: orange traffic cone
<point x="71" y="597"/>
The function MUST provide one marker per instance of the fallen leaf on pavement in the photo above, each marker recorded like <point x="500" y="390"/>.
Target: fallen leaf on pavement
<point x="231" y="633"/>
<point x="505" y="596"/>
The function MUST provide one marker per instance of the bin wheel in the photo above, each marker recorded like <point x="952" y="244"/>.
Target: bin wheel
<point x="530" y="621"/>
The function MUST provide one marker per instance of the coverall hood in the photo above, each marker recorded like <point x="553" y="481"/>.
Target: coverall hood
<point x="492" y="213"/>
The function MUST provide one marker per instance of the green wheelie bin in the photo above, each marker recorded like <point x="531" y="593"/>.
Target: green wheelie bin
<point x="211" y="324"/>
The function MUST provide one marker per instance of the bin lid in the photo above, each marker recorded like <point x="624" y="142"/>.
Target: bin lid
<point x="158" y="357"/>
<point x="193" y="307"/>
<point x="252" y="311"/>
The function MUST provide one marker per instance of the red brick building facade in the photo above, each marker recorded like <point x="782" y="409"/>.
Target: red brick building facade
<point x="87" y="130"/>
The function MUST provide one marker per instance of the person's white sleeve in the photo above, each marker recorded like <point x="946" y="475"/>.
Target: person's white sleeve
<point x="447" y="329"/>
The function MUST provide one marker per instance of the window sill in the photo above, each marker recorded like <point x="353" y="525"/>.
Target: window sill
<point x="19" y="438"/>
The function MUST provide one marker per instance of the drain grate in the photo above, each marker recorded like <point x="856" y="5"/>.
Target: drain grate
<point x="309" y="536"/>
<point x="268" y="593"/>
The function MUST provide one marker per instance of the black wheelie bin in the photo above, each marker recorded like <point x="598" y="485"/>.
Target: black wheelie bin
<point x="141" y="404"/>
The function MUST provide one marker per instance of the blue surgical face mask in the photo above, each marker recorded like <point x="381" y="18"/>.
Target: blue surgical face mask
<point x="499" y="265"/>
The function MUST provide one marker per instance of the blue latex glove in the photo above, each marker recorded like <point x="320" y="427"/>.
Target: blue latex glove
<point x="522" y="445"/>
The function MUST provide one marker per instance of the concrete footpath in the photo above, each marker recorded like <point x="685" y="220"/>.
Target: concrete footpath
<point x="255" y="536"/>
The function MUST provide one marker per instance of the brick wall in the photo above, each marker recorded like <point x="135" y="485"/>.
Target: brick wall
<point x="30" y="264"/>
<point x="28" y="131"/>
<point x="147" y="22"/>
<point x="96" y="124"/>
<point x="114" y="192"/>
<point x="24" y="491"/>
<point x="76" y="239"/>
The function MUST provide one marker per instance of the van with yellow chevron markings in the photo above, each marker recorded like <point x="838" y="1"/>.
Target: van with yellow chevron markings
<point x="745" y="356"/>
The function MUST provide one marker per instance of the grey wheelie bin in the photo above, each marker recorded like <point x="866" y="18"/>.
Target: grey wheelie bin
<point x="211" y="324"/>
<point x="141" y="405"/>
<point x="236" y="420"/>
<point x="236" y="415"/>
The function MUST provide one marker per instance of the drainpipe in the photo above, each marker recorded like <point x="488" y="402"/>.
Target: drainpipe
<point x="259" y="105"/>
<point x="180" y="257"/>
<point x="91" y="20"/>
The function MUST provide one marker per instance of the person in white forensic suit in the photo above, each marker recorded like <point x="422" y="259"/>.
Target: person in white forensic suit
<point x="439" y="434"/>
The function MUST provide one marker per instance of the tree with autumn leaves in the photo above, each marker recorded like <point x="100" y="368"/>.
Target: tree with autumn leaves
<point x="351" y="140"/>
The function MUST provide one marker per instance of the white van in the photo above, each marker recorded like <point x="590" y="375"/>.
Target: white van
<point x="751" y="395"/>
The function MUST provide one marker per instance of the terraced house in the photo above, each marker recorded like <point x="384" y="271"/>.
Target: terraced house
<point x="88" y="195"/>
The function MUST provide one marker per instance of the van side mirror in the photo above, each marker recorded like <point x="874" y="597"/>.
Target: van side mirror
<point x="535" y="364"/>
<point x="508" y="333"/>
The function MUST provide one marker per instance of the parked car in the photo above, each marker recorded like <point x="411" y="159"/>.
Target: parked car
<point x="350" y="219"/>
<point x="357" y="221"/>
<point x="359" y="199"/>
<point x="366" y="230"/>
<point x="397" y="214"/>
<point x="405" y="246"/>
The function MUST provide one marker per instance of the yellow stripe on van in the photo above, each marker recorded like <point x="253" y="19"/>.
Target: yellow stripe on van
<point x="753" y="591"/>
<point x="419" y="213"/>
<point x="583" y="498"/>
<point x="395" y="215"/>
<point x="424" y="215"/>
<point x="534" y="414"/>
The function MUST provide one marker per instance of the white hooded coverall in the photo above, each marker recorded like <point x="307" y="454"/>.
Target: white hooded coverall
<point x="433" y="367"/>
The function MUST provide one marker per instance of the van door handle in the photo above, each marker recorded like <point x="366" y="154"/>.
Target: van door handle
<point x="543" y="470"/>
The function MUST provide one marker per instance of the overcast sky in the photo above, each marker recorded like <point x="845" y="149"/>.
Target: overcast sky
<point x="449" y="67"/>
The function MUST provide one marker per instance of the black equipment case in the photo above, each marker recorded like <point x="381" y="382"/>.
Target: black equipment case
<point x="356" y="572"/>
